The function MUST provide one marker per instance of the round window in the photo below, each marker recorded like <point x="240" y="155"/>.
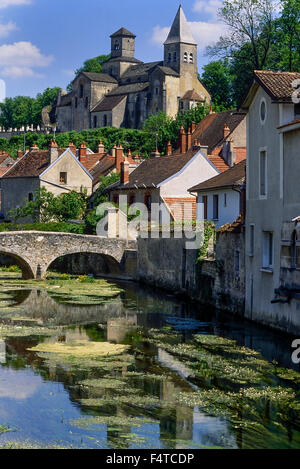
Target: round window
<point x="263" y="111"/>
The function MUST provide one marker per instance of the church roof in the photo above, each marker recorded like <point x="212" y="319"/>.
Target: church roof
<point x="123" y="32"/>
<point x="102" y="77"/>
<point x="168" y="71"/>
<point x="130" y="88"/>
<point x="192" y="95"/>
<point x="180" y="30"/>
<point x="140" y="71"/>
<point x="108" y="103"/>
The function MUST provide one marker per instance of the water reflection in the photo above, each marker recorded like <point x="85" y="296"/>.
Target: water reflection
<point x="53" y="397"/>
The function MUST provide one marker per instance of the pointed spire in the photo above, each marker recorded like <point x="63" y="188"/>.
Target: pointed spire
<point x="180" y="30"/>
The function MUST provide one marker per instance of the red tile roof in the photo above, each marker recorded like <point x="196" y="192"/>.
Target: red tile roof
<point x="233" y="176"/>
<point x="32" y="164"/>
<point x="277" y="84"/>
<point x="182" y="208"/>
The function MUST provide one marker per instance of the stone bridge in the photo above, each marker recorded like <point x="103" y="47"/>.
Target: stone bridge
<point x="35" y="251"/>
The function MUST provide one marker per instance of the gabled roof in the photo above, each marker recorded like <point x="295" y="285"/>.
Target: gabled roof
<point x="210" y="131"/>
<point x="108" y="103"/>
<point x="139" y="72"/>
<point x="278" y="85"/>
<point x="123" y="32"/>
<point x="106" y="164"/>
<point x="153" y="171"/>
<point x="4" y="157"/>
<point x="32" y="164"/>
<point x="100" y="77"/>
<point x="192" y="95"/>
<point x="232" y="177"/>
<point x="180" y="30"/>
<point x="168" y="71"/>
<point x="130" y="88"/>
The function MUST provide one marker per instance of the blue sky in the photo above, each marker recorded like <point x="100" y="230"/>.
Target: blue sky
<point x="42" y="42"/>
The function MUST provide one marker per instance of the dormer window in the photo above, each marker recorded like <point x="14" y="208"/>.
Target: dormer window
<point x="185" y="57"/>
<point x="191" y="58"/>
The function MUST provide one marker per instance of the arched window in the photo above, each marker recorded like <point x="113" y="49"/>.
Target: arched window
<point x="175" y="57"/>
<point x="104" y="120"/>
<point x="169" y="57"/>
<point x="95" y="122"/>
<point x="117" y="45"/>
<point x="81" y="91"/>
<point x="86" y="102"/>
<point x="185" y="57"/>
<point x="293" y="254"/>
<point x="76" y="102"/>
<point x="191" y="58"/>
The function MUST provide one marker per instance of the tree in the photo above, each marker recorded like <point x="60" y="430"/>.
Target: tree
<point x="217" y="79"/>
<point x="286" y="44"/>
<point x="46" y="207"/>
<point x="248" y="22"/>
<point x="93" y="65"/>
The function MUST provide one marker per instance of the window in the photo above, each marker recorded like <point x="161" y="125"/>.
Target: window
<point x="76" y="102"/>
<point x="63" y="178"/>
<point x="267" y="250"/>
<point x="175" y="57"/>
<point x="263" y="173"/>
<point x="237" y="261"/>
<point x="204" y="201"/>
<point x="148" y="202"/>
<point x="86" y="102"/>
<point x="117" y="46"/>
<point x="297" y="109"/>
<point x="251" y="241"/>
<point x="216" y="207"/>
<point x="95" y="122"/>
<point x="116" y="199"/>
<point x="191" y="58"/>
<point x="225" y="200"/>
<point x="104" y="120"/>
<point x="294" y="251"/>
<point x="131" y="199"/>
<point x="185" y="57"/>
<point x="30" y="197"/>
<point x="156" y="91"/>
<point x="263" y="111"/>
<point x="81" y="91"/>
<point x="169" y="57"/>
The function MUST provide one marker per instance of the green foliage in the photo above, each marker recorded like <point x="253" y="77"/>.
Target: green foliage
<point x="23" y="110"/>
<point x="46" y="207"/>
<point x="209" y="232"/>
<point x="217" y="79"/>
<point x="61" y="227"/>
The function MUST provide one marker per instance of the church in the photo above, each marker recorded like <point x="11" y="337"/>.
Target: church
<point x="128" y="90"/>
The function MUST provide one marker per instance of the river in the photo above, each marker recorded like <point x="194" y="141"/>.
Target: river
<point x="180" y="381"/>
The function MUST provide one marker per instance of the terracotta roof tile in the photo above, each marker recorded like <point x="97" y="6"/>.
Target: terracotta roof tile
<point x="233" y="176"/>
<point x="235" y="227"/>
<point x="32" y="164"/>
<point x="182" y="208"/>
<point x="277" y="84"/>
<point x="193" y="95"/>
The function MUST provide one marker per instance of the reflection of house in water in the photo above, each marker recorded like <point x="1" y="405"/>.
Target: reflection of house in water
<point x="117" y="329"/>
<point x="2" y="352"/>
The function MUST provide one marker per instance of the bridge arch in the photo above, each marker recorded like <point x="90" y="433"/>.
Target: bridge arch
<point x="81" y="262"/>
<point x="27" y="270"/>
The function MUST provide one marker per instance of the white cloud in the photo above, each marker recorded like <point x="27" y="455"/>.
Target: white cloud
<point x="210" y="7"/>
<point x="6" y="29"/>
<point x="204" y="33"/>
<point x="21" y="58"/>
<point x="9" y="3"/>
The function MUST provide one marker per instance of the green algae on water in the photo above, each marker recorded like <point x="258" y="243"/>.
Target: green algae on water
<point x="111" y="421"/>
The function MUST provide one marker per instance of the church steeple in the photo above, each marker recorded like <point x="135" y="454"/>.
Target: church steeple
<point x="180" y="30"/>
<point x="180" y="46"/>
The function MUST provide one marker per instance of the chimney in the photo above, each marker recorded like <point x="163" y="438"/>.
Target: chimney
<point x="231" y="154"/>
<point x="53" y="150"/>
<point x="101" y="149"/>
<point x="34" y="147"/>
<point x="193" y="127"/>
<point x="211" y="110"/>
<point x="189" y="140"/>
<point x="125" y="172"/>
<point x="113" y="151"/>
<point x="129" y="155"/>
<point x="72" y="147"/>
<point x="203" y="148"/>
<point x="169" y="149"/>
<point x="82" y="153"/>
<point x="182" y="140"/>
<point x="155" y="154"/>
<point x="119" y="157"/>
<point x="20" y="153"/>
<point x="226" y="131"/>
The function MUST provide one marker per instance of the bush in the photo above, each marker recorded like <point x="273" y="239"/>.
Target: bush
<point x="62" y="227"/>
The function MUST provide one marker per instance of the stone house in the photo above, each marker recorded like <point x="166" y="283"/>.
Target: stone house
<point x="220" y="199"/>
<point x="128" y="90"/>
<point x="57" y="170"/>
<point x="273" y="142"/>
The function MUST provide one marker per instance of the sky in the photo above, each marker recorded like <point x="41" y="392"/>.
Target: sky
<point x="42" y="42"/>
